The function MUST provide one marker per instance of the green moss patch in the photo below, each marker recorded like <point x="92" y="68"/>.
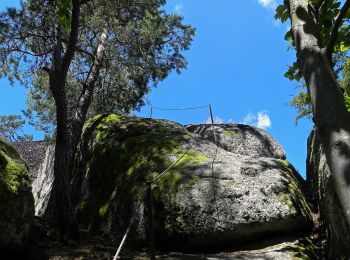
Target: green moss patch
<point x="289" y="193"/>
<point x="14" y="172"/>
<point x="119" y="155"/>
<point x="229" y="133"/>
<point x="304" y="249"/>
<point x="16" y="200"/>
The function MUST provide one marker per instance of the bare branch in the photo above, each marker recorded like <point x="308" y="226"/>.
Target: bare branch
<point x="81" y="50"/>
<point x="335" y="29"/>
<point x="18" y="50"/>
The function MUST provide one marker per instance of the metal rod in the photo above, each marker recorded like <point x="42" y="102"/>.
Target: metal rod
<point x="151" y="236"/>
<point x="212" y="123"/>
<point x="150" y="116"/>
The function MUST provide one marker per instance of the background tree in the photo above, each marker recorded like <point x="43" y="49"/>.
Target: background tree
<point x="75" y="50"/>
<point x="140" y="54"/>
<point x="11" y="128"/>
<point x="319" y="31"/>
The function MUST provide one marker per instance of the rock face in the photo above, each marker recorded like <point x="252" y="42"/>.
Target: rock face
<point x="40" y="157"/>
<point x="16" y="200"/>
<point x="241" y="139"/>
<point x="213" y="197"/>
<point x="33" y="153"/>
<point x="320" y="180"/>
<point x="42" y="185"/>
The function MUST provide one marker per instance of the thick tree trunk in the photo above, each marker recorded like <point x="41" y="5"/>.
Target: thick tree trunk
<point x="329" y="111"/>
<point x="60" y="208"/>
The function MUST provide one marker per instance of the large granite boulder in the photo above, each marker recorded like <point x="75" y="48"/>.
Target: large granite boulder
<point x="321" y="184"/>
<point x="16" y="200"/>
<point x="212" y="198"/>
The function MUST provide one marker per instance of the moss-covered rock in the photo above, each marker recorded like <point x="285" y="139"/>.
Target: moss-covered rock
<point x="16" y="200"/>
<point x="115" y="159"/>
<point x="210" y="197"/>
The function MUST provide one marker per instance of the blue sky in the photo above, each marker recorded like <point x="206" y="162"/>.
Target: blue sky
<point x="236" y="64"/>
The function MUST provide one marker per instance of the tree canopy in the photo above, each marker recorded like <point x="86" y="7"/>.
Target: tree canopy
<point x="144" y="44"/>
<point x="11" y="128"/>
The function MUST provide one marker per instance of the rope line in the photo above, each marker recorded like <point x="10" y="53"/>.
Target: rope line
<point x="126" y="233"/>
<point x="179" y="109"/>
<point x="171" y="166"/>
<point x="175" y="109"/>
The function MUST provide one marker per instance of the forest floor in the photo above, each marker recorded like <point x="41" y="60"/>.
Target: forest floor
<point x="98" y="248"/>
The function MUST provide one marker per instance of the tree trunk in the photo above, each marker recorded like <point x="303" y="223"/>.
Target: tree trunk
<point x="60" y="208"/>
<point x="329" y="112"/>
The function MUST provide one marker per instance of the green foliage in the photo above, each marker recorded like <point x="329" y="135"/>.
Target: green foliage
<point x="64" y="13"/>
<point x="345" y="81"/>
<point x="325" y="12"/>
<point x="282" y="13"/>
<point x="347" y="101"/>
<point x="302" y="103"/>
<point x="14" y="172"/>
<point x="11" y="127"/>
<point x="144" y="45"/>
<point x="293" y="72"/>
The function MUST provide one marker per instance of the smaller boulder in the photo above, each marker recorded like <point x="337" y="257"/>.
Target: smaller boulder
<point x="241" y="139"/>
<point x="16" y="199"/>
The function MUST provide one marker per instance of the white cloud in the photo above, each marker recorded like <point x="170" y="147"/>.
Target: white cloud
<point x="230" y="121"/>
<point x="178" y="8"/>
<point x="268" y="3"/>
<point x="249" y="119"/>
<point x="261" y="120"/>
<point x="264" y="120"/>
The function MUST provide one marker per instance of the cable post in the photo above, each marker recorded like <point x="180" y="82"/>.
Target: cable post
<point x="150" y="116"/>
<point x="212" y="123"/>
<point x="151" y="236"/>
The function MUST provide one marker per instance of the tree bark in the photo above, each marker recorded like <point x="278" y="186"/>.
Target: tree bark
<point x="329" y="112"/>
<point x="60" y="208"/>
